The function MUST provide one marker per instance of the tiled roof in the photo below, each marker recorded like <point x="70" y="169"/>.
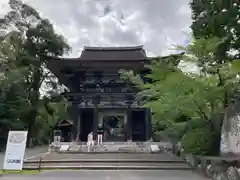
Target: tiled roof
<point x="113" y="53"/>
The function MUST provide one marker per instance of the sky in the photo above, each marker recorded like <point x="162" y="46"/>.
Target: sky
<point x="155" y="24"/>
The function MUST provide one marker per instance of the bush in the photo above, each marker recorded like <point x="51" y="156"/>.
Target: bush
<point x="196" y="124"/>
<point x="201" y="141"/>
<point x="159" y="126"/>
<point x="159" y="136"/>
<point x="176" y="131"/>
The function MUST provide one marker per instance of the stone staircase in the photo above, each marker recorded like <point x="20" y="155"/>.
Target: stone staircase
<point x="108" y="156"/>
<point x="110" y="147"/>
<point x="108" y="161"/>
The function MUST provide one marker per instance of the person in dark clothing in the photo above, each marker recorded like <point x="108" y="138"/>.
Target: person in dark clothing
<point x="100" y="133"/>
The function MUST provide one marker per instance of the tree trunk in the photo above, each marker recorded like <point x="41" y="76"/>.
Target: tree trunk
<point x="34" y="100"/>
<point x="32" y="118"/>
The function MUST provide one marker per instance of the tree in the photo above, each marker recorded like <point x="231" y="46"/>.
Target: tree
<point x="201" y="96"/>
<point x="13" y="105"/>
<point x="218" y="18"/>
<point x="50" y="113"/>
<point x="37" y="40"/>
<point x="13" y="96"/>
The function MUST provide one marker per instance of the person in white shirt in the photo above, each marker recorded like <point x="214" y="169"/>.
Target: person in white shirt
<point x="90" y="142"/>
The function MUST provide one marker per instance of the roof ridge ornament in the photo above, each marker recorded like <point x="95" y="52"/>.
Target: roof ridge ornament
<point x="116" y="48"/>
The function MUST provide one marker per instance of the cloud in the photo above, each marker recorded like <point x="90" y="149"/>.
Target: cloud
<point x="157" y="24"/>
<point x="3" y="7"/>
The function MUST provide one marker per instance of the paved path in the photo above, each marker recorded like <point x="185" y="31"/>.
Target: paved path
<point x="108" y="175"/>
<point x="29" y="153"/>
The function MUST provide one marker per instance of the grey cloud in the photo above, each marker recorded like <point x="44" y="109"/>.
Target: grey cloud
<point x="155" y="23"/>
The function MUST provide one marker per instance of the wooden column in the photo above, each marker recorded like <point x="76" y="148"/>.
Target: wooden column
<point x="148" y="129"/>
<point x="129" y="101"/>
<point x="75" y="116"/>
<point x="95" y="119"/>
<point x="150" y="125"/>
<point x="96" y="101"/>
<point x="78" y="128"/>
<point x="129" y="123"/>
<point x="75" y="80"/>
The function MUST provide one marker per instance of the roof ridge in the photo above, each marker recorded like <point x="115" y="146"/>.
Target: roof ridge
<point x="117" y="48"/>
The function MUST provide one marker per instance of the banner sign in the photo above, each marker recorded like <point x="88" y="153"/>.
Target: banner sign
<point x="14" y="155"/>
<point x="234" y="143"/>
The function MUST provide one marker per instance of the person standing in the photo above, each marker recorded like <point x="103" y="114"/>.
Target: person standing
<point x="112" y="131"/>
<point x="90" y="142"/>
<point x="100" y="133"/>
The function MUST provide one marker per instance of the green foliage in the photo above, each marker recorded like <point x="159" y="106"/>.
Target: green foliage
<point x="13" y="104"/>
<point x="201" y="141"/>
<point x="47" y="119"/>
<point x="217" y="19"/>
<point x="176" y="131"/>
<point x="201" y="97"/>
<point x="29" y="42"/>
<point x="159" y="126"/>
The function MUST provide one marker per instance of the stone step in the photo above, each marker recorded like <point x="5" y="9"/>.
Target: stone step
<point x="162" y="166"/>
<point x="107" y="156"/>
<point x="100" y="160"/>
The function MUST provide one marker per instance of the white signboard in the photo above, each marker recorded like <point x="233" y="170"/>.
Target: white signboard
<point x="64" y="147"/>
<point x="14" y="155"/>
<point x="154" y="148"/>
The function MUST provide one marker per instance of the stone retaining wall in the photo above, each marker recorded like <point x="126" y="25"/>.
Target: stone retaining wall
<point x="110" y="147"/>
<point x="220" y="168"/>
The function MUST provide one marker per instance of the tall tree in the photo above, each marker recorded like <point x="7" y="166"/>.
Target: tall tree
<point x="38" y="40"/>
<point x="13" y="95"/>
<point x="201" y="96"/>
<point x="218" y="18"/>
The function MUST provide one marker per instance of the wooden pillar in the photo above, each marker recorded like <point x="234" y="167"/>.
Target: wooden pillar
<point x="129" y="99"/>
<point x="75" y="116"/>
<point x="148" y="126"/>
<point x="95" y="119"/>
<point x="96" y="101"/>
<point x="78" y="128"/>
<point x="129" y="123"/>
